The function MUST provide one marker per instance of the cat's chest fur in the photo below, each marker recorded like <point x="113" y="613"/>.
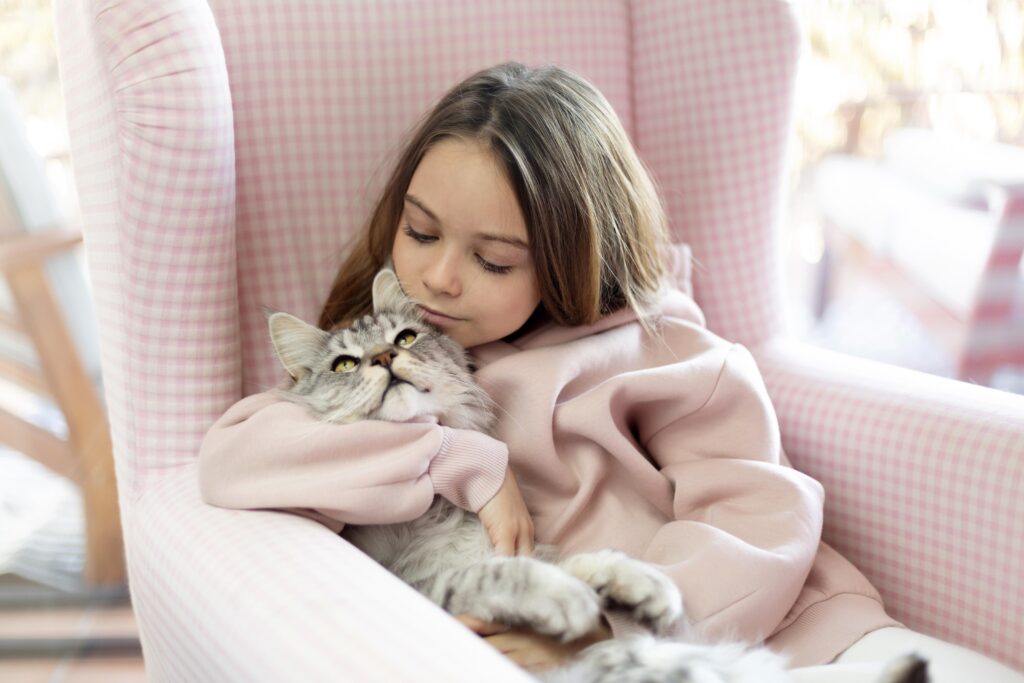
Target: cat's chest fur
<point x="445" y="537"/>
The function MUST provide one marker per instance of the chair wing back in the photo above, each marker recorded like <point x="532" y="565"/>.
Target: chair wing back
<point x="152" y="146"/>
<point x="713" y="88"/>
<point x="226" y="156"/>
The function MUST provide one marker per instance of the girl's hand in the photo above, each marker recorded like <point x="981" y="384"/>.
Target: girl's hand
<point x="530" y="650"/>
<point x="479" y="627"/>
<point x="507" y="520"/>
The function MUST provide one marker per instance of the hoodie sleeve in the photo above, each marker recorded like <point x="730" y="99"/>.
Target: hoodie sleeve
<point x="267" y="452"/>
<point x="746" y="527"/>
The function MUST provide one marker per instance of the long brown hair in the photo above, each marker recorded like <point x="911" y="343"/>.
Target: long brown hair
<point x="595" y="224"/>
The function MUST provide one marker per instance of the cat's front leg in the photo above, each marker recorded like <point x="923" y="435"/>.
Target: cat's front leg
<point x="522" y="591"/>
<point x="636" y="587"/>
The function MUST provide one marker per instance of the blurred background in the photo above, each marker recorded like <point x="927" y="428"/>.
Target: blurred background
<point x="904" y="231"/>
<point x="906" y="203"/>
<point x="64" y="607"/>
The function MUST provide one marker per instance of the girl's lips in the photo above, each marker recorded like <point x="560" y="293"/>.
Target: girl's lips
<point x="436" y="318"/>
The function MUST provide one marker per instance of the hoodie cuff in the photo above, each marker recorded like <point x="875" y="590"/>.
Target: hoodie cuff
<point x="622" y="626"/>
<point x="469" y="468"/>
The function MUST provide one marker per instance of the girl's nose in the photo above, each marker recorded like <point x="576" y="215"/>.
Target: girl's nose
<point x="442" y="276"/>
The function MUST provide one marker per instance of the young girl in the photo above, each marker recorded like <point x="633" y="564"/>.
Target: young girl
<point x="524" y="225"/>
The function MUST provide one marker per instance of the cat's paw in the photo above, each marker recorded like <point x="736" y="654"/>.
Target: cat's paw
<point x="557" y="604"/>
<point x="523" y="591"/>
<point x="635" y="587"/>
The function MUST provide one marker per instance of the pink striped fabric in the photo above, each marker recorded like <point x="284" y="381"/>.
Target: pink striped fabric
<point x="995" y="330"/>
<point x="225" y="155"/>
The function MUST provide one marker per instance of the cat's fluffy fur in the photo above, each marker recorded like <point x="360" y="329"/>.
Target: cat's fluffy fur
<point x="391" y="365"/>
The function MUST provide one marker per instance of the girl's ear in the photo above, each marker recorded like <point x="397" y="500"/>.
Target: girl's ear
<point x="298" y="345"/>
<point x="388" y="294"/>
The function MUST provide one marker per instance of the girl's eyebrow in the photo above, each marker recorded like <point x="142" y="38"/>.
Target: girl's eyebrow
<point x="505" y="239"/>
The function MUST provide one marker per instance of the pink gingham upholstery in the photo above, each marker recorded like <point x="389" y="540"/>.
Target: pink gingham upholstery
<point x="924" y="479"/>
<point x="224" y="158"/>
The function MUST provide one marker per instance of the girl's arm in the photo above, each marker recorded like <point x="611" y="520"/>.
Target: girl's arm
<point x="267" y="452"/>
<point x="747" y="526"/>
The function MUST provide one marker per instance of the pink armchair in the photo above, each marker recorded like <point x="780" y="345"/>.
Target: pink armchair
<point x="225" y="155"/>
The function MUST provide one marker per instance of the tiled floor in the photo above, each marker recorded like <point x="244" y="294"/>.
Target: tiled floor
<point x="22" y="629"/>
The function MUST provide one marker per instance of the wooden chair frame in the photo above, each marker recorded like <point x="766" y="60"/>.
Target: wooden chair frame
<point x="86" y="456"/>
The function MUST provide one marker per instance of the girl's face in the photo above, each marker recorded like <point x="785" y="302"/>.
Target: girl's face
<point x="461" y="249"/>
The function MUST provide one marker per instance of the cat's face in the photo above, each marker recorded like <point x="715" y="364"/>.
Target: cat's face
<point x="389" y="365"/>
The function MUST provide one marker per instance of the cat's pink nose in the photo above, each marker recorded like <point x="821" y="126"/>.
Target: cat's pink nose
<point x="383" y="358"/>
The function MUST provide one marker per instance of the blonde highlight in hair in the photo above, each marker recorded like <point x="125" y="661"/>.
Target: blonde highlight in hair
<point x="595" y="223"/>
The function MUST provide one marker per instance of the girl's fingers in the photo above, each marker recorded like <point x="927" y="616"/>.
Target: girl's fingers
<point x="524" y="545"/>
<point x="529" y="650"/>
<point x="480" y="627"/>
<point x="505" y="546"/>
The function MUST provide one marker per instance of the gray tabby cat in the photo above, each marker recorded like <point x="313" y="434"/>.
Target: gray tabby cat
<point x="391" y="365"/>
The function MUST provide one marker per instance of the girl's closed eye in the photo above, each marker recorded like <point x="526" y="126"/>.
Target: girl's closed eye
<point x="492" y="267"/>
<point x="423" y="238"/>
<point x="420" y="237"/>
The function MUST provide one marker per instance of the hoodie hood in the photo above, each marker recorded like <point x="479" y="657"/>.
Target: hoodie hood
<point x="674" y="299"/>
<point x="670" y="302"/>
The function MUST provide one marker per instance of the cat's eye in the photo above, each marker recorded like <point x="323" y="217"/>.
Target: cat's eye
<point x="345" y="364"/>
<point x="405" y="338"/>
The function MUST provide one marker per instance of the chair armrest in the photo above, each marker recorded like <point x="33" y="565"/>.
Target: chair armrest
<point x="231" y="595"/>
<point x="32" y="248"/>
<point x="924" y="481"/>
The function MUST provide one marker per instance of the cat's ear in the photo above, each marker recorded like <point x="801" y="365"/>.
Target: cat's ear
<point x="298" y="344"/>
<point x="388" y="294"/>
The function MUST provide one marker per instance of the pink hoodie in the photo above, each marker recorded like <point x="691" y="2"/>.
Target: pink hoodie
<point x="664" y="447"/>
